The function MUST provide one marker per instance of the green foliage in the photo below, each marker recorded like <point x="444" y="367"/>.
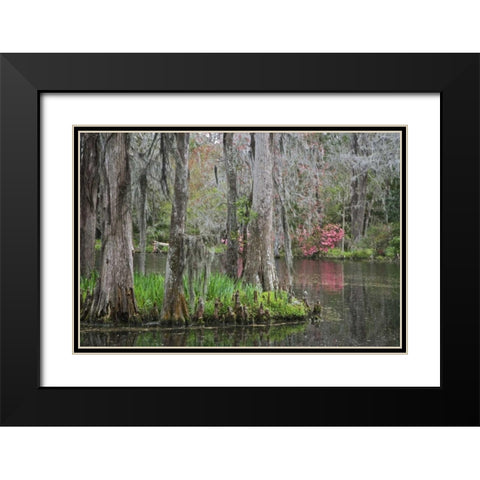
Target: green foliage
<point x="381" y="242"/>
<point x="337" y="253"/>
<point x="223" y="288"/>
<point x="279" y="306"/>
<point x="243" y="209"/>
<point x="149" y="291"/>
<point x="332" y="198"/>
<point x="358" y="254"/>
<point x="362" y="254"/>
<point x="391" y="253"/>
<point x="158" y="229"/>
<point x="159" y="232"/>
<point x="377" y="238"/>
<point x="393" y="249"/>
<point x="87" y="285"/>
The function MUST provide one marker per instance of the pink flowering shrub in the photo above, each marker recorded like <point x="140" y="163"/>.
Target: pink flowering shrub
<point x="319" y="239"/>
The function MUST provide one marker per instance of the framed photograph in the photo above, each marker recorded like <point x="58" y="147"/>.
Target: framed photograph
<point x="187" y="238"/>
<point x="319" y="270"/>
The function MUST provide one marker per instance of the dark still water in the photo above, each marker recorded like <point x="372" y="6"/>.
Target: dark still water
<point x="360" y="308"/>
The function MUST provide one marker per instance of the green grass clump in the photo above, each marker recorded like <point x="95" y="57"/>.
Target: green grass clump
<point x="279" y="306"/>
<point x="149" y="291"/>
<point x="222" y="287"/>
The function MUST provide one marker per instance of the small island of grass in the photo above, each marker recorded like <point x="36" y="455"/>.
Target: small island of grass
<point x="224" y="300"/>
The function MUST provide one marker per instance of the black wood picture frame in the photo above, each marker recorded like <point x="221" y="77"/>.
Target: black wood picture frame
<point x="24" y="77"/>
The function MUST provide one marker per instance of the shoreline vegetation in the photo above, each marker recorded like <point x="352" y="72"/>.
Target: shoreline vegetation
<point x="391" y="255"/>
<point x="362" y="254"/>
<point x="223" y="301"/>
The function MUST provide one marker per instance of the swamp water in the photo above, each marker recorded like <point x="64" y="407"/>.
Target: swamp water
<point x="360" y="308"/>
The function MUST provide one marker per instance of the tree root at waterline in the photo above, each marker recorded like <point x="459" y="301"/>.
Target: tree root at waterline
<point x="120" y="307"/>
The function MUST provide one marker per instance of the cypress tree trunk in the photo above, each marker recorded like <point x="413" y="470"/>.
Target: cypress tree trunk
<point x="142" y="203"/>
<point x="281" y="195"/>
<point x="142" y="220"/>
<point x="89" y="181"/>
<point x="232" y="228"/>
<point x="114" y="297"/>
<point x="358" y="203"/>
<point x="174" y="304"/>
<point x="287" y="244"/>
<point x="259" y="264"/>
<point x="359" y="194"/>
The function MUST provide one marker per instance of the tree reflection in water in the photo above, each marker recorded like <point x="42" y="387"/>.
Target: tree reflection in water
<point x="360" y="307"/>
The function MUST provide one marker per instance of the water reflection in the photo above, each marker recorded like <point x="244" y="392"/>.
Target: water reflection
<point x="314" y="276"/>
<point x="247" y="336"/>
<point x="360" y="307"/>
